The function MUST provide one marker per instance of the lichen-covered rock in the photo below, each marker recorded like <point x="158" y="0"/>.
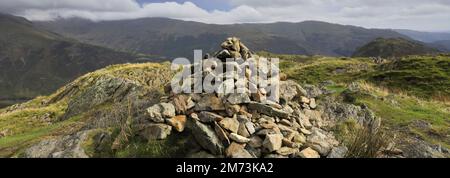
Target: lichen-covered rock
<point x="83" y="144"/>
<point x="159" y="112"/>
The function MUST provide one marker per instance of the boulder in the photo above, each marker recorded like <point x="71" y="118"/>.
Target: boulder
<point x="250" y="127"/>
<point x="338" y="152"/>
<point x="320" y="141"/>
<point x="243" y="130"/>
<point x="255" y="142"/>
<point x="305" y="100"/>
<point x="182" y="103"/>
<point x="232" y="109"/>
<point x="209" y="102"/>
<point x="299" y="138"/>
<point x="290" y="89"/>
<point x="206" y="137"/>
<point x="238" y="98"/>
<point x="238" y="138"/>
<point x="312" y="103"/>
<point x="267" y="110"/>
<point x="312" y="91"/>
<point x="285" y="151"/>
<point x="230" y="124"/>
<point x="236" y="150"/>
<point x="308" y="153"/>
<point x="305" y="131"/>
<point x="209" y="117"/>
<point x="161" y="111"/>
<point x="273" y="142"/>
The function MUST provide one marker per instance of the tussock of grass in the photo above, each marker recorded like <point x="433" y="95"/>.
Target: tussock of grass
<point x="175" y="146"/>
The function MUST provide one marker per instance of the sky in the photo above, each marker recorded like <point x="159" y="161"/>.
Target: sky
<point x="429" y="15"/>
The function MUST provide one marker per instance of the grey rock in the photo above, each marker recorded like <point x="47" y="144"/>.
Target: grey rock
<point x="337" y="111"/>
<point x="159" y="112"/>
<point x="250" y="127"/>
<point x="312" y="91"/>
<point x="267" y="110"/>
<point x="338" y="152"/>
<point x="71" y="146"/>
<point x="290" y="89"/>
<point x="321" y="141"/>
<point x="238" y="98"/>
<point x="255" y="142"/>
<point x="206" y="137"/>
<point x="154" y="131"/>
<point x="209" y="117"/>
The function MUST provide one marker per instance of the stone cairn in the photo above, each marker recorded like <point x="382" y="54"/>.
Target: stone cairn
<point x="241" y="125"/>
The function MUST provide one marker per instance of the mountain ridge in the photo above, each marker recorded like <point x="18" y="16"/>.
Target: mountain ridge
<point x="175" y="38"/>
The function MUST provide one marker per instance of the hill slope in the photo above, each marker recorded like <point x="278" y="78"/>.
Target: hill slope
<point x="175" y="38"/>
<point x="393" y="47"/>
<point x="34" y="61"/>
<point x="427" y="37"/>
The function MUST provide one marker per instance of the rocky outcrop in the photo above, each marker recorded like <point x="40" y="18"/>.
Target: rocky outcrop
<point x="73" y="146"/>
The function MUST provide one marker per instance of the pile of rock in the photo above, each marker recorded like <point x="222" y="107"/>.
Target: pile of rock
<point x="244" y="125"/>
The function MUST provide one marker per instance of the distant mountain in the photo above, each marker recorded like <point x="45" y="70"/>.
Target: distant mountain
<point x="34" y="61"/>
<point x="427" y="37"/>
<point x="393" y="47"/>
<point x="175" y="38"/>
<point x="443" y="45"/>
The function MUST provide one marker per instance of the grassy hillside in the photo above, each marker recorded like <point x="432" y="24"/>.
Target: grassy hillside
<point x="421" y="76"/>
<point x="60" y="114"/>
<point x="393" y="47"/>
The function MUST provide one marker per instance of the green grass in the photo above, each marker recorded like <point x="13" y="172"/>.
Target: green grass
<point x="176" y="145"/>
<point x="422" y="76"/>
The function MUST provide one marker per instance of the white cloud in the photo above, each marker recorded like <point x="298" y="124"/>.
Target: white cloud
<point x="431" y="15"/>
